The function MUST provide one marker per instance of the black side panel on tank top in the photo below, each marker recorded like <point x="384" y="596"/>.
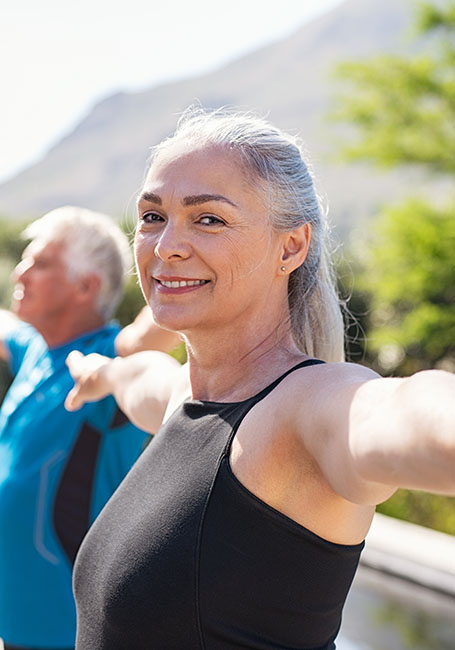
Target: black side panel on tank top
<point x="73" y="500"/>
<point x="183" y="557"/>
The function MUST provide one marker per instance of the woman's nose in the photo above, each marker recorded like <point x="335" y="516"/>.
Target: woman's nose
<point x="172" y="244"/>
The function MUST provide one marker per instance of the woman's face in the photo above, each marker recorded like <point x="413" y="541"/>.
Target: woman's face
<point x="205" y="251"/>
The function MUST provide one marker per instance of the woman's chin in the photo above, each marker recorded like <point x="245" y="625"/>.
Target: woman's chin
<point x="169" y="319"/>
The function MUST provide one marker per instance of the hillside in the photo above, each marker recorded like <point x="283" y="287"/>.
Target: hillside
<point x="101" y="163"/>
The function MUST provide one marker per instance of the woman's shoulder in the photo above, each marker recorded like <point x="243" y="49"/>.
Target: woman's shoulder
<point x="309" y="397"/>
<point x="322" y="379"/>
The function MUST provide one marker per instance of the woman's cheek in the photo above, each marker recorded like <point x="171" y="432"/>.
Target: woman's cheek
<point x="143" y="250"/>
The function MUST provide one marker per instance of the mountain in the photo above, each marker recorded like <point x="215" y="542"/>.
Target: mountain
<point x="100" y="164"/>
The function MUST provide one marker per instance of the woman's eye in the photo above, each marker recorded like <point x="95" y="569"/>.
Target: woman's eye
<point x="210" y="220"/>
<point x="151" y="217"/>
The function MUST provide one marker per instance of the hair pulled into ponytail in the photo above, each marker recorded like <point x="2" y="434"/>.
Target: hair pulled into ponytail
<point x="276" y="163"/>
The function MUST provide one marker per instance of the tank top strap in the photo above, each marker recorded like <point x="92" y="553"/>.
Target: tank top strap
<point x="237" y="412"/>
<point x="268" y="389"/>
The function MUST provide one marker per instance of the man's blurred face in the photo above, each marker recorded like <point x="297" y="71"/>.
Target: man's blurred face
<point x="42" y="292"/>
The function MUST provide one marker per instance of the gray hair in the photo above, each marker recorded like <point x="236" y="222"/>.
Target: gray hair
<point x="276" y="160"/>
<point x="93" y="244"/>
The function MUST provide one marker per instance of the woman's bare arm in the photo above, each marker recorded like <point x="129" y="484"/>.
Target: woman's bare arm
<point x="141" y="384"/>
<point x="145" y="334"/>
<point x="403" y="431"/>
<point x="373" y="435"/>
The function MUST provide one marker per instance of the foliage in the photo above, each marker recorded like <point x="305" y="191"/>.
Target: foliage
<point x="11" y="242"/>
<point x="131" y="303"/>
<point x="409" y="275"/>
<point x="399" y="112"/>
<point x="11" y="247"/>
<point x="431" y="17"/>
<point x="403" y="111"/>
<point x="431" y="510"/>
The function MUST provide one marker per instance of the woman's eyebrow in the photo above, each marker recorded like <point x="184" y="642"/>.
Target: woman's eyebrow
<point x="150" y="197"/>
<point x="197" y="199"/>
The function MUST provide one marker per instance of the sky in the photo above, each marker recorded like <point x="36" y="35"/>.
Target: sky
<point x="58" y="58"/>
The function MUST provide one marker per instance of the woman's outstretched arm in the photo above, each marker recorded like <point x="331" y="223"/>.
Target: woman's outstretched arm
<point x="141" y="384"/>
<point x="403" y="431"/>
<point x="376" y="435"/>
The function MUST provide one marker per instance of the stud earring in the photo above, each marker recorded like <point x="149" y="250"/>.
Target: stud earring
<point x="283" y="268"/>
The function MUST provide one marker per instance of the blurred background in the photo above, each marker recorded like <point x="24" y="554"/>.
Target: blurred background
<point x="369" y="86"/>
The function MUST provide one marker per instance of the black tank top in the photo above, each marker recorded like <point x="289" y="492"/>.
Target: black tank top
<point x="184" y="557"/>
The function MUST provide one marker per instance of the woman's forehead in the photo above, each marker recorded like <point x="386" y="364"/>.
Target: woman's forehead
<point x="189" y="173"/>
<point x="185" y="151"/>
<point x="207" y="166"/>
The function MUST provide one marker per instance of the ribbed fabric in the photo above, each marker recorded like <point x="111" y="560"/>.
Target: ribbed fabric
<point x="184" y="557"/>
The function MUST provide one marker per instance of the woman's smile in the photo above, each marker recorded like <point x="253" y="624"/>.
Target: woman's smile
<point x="178" y="285"/>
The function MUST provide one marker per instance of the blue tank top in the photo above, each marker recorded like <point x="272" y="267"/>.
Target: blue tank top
<point x="184" y="557"/>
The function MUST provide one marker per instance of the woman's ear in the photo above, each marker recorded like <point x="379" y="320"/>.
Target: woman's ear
<point x="295" y="248"/>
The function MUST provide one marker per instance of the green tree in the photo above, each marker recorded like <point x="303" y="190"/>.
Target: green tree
<point x="403" y="114"/>
<point x="410" y="276"/>
<point x="403" y="111"/>
<point x="11" y="247"/>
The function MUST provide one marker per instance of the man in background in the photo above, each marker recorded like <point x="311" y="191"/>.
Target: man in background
<point x="58" y="469"/>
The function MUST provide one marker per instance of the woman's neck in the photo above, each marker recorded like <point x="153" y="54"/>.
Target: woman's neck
<point x="225" y="367"/>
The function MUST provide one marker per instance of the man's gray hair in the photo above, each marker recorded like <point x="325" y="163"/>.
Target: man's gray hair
<point x="93" y="243"/>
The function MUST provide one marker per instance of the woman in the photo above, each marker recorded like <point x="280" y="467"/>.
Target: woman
<point x="242" y="524"/>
